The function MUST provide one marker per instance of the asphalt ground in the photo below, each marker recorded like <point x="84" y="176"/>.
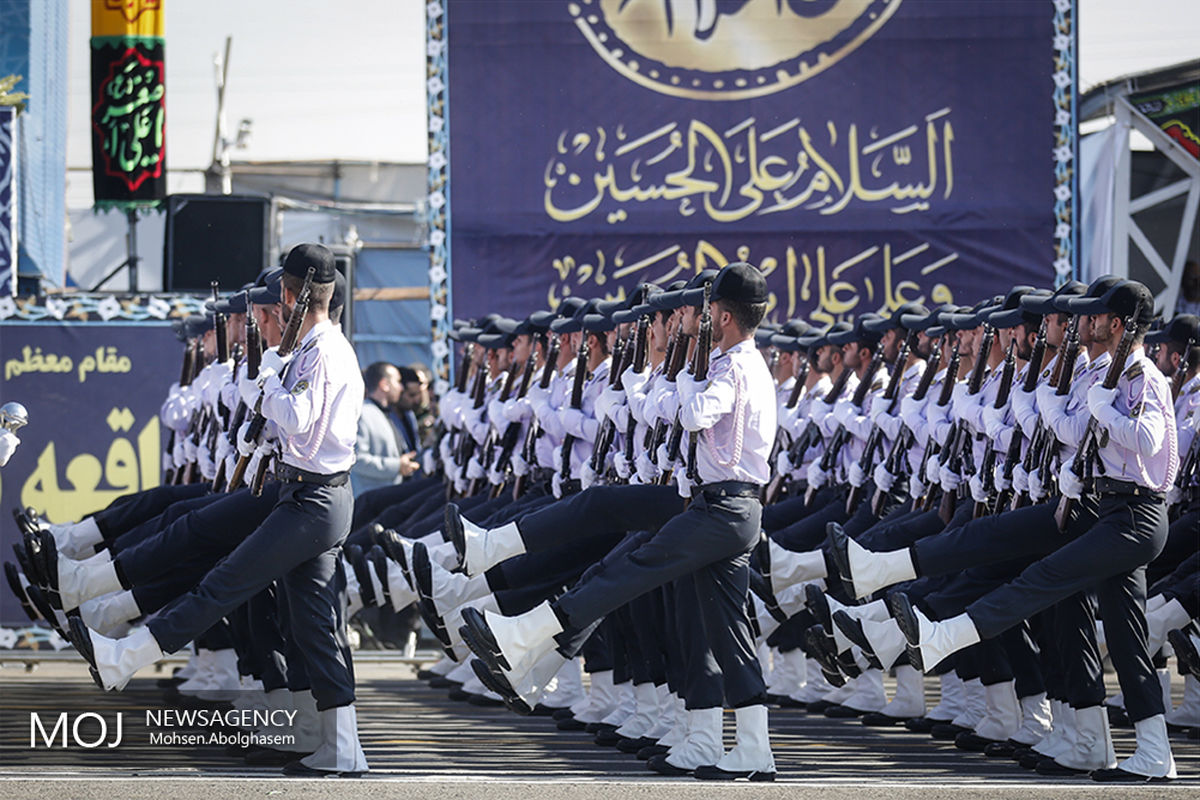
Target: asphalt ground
<point x="421" y="744"/>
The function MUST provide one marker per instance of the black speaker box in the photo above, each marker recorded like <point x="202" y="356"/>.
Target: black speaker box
<point x="212" y="237"/>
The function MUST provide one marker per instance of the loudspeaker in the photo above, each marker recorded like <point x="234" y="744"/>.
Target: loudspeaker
<point x="213" y="237"/>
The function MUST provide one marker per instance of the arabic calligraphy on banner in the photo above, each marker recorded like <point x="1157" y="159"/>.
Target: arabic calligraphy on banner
<point x="878" y="278"/>
<point x="93" y="392"/>
<point x="744" y="170"/>
<point x="862" y="152"/>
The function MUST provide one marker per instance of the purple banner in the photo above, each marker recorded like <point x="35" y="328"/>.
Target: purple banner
<point x="93" y="393"/>
<point x="863" y="153"/>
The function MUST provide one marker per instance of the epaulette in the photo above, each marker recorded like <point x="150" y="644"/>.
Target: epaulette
<point x="1134" y="371"/>
<point x="1193" y="390"/>
<point x="877" y="385"/>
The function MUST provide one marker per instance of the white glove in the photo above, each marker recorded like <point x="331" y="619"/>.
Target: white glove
<point x="245" y="448"/>
<point x="475" y="468"/>
<point x="931" y="470"/>
<point x="587" y="475"/>
<point x="208" y="468"/>
<point x="915" y="487"/>
<point x="572" y="421"/>
<point x="1036" y="490"/>
<point x="884" y="480"/>
<point x="682" y="484"/>
<point x="960" y="401"/>
<point x="888" y="423"/>
<point x="783" y="463"/>
<point x="661" y="457"/>
<point x="189" y="449"/>
<point x="634" y="381"/>
<point x="519" y="465"/>
<point x="842" y="410"/>
<point x="1053" y="403"/>
<point x="248" y="390"/>
<point x="646" y="471"/>
<point x="495" y="477"/>
<point x="1002" y="483"/>
<point x="1069" y="483"/>
<point x="556" y="485"/>
<point x="1174" y="495"/>
<point x="8" y="446"/>
<point x="427" y="461"/>
<point x="1099" y="399"/>
<point x="461" y="484"/>
<point x="978" y="491"/>
<point x="949" y="479"/>
<point x="857" y="477"/>
<point x="516" y="409"/>
<point x="817" y="477"/>
<point x="993" y="421"/>
<point x="178" y="453"/>
<point x="1043" y="393"/>
<point x="272" y="361"/>
<point x="1020" y="481"/>
<point x="621" y="466"/>
<point x="223" y="447"/>
<point x="910" y="414"/>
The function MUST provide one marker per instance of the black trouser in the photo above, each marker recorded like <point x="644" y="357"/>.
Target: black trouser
<point x="299" y="543"/>
<point x="710" y="541"/>
<point x="133" y="509"/>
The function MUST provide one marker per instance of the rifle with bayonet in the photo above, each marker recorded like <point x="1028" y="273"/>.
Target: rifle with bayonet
<point x="487" y="459"/>
<point x="1006" y="497"/>
<point x="841" y="435"/>
<point x="1037" y="440"/>
<point x="932" y="446"/>
<point x="812" y="434"/>
<point x="253" y="359"/>
<point x="700" y="364"/>
<point x="608" y="429"/>
<point x="529" y="446"/>
<point x="512" y="432"/>
<point x="568" y="443"/>
<point x="875" y="438"/>
<point x="1095" y="437"/>
<point x="988" y="466"/>
<point x="641" y="354"/>
<point x="1067" y="356"/>
<point x="676" y="356"/>
<point x="896" y="457"/>
<point x="254" y="431"/>
<point x="960" y="435"/>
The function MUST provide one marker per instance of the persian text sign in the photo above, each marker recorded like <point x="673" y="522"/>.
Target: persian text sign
<point x="864" y="153"/>
<point x="93" y="392"/>
<point x="129" y="165"/>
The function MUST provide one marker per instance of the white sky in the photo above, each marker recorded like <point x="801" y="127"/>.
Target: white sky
<point x="346" y="80"/>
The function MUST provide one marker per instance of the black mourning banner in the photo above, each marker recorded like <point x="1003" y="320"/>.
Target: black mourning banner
<point x="129" y="157"/>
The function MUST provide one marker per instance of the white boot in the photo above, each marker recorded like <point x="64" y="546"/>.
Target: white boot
<point x="975" y="706"/>
<point x="602" y="698"/>
<point x="1035" y="720"/>
<point x="340" y="750"/>
<point x="951" y="700"/>
<point x="868" y="692"/>
<point x="1152" y="758"/>
<point x="909" y="700"/>
<point x="454" y="623"/>
<point x="1062" y="734"/>
<point x="106" y="613"/>
<point x="1164" y="681"/>
<point x="354" y="598"/>
<point x="886" y="640"/>
<point x="1002" y="719"/>
<point x="83" y="580"/>
<point x="767" y="624"/>
<point x="751" y="755"/>
<point x="782" y="678"/>
<point x="444" y="555"/>
<point x="487" y="548"/>
<point x="533" y="684"/>
<point x="676" y="715"/>
<point x="664" y="718"/>
<point x="814" y="688"/>
<point x="870" y="572"/>
<point x="118" y="659"/>
<point x="402" y="593"/>
<point x="250" y="696"/>
<point x="1167" y="617"/>
<point x="525" y="638"/>
<point x="941" y="639"/>
<point x="1187" y="713"/>
<point x="625" y="707"/>
<point x="702" y="746"/>
<point x="789" y="567"/>
<point x="645" y="698"/>
<point x="202" y="678"/>
<point x="300" y="735"/>
<point x="450" y="591"/>
<point x="75" y="539"/>
<point x="567" y="686"/>
<point x="1093" y="748"/>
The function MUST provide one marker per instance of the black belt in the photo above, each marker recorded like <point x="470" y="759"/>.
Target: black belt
<point x="728" y="489"/>
<point x="289" y="474"/>
<point x="1114" y="486"/>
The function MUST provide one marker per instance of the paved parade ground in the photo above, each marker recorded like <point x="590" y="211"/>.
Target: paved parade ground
<point x="422" y="744"/>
